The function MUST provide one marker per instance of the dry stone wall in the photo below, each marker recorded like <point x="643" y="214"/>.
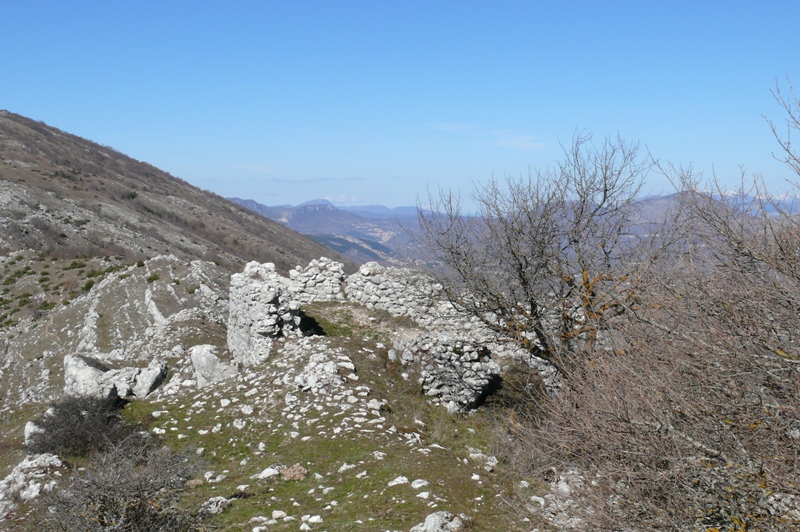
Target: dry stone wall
<point x="453" y="373"/>
<point x="322" y="280"/>
<point x="454" y="360"/>
<point x="261" y="309"/>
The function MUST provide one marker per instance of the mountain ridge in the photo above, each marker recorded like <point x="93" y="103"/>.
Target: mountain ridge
<point x="363" y="234"/>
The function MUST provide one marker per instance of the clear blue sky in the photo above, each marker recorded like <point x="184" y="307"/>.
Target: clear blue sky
<point x="374" y="101"/>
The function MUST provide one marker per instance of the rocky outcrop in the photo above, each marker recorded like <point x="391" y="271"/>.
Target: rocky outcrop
<point x="86" y="375"/>
<point x="208" y="368"/>
<point x="31" y="477"/>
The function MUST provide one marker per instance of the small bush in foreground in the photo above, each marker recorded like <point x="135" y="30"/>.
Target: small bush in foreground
<point x="131" y="486"/>
<point x="78" y="426"/>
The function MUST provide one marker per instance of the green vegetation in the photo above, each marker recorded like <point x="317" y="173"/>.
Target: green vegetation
<point x="29" y="290"/>
<point x="75" y="264"/>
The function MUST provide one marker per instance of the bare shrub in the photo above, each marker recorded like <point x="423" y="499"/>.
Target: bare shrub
<point x="678" y="351"/>
<point x="687" y="416"/>
<point x="129" y="486"/>
<point x="78" y="426"/>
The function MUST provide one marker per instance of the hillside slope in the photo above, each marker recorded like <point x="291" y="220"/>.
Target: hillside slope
<point x="67" y="196"/>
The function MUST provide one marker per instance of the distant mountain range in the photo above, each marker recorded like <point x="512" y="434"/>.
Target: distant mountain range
<point x="362" y="234"/>
<point x="387" y="235"/>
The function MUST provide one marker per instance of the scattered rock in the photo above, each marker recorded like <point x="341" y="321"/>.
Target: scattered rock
<point x="397" y="481"/>
<point x="214" y="506"/>
<point x="443" y="522"/>
<point x="267" y="474"/>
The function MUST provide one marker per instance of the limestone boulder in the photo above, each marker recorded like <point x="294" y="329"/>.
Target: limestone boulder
<point x="208" y="368"/>
<point x="86" y="375"/>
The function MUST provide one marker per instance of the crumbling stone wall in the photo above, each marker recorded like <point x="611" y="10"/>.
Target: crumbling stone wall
<point x="452" y="373"/>
<point x="403" y="292"/>
<point x="262" y="308"/>
<point x="454" y="360"/>
<point x="321" y="280"/>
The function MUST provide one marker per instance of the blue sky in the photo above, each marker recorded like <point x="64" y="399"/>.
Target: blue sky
<point x="374" y="101"/>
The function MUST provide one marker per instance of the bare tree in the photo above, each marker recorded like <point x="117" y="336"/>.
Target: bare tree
<point x="683" y="412"/>
<point x="790" y="104"/>
<point x="548" y="260"/>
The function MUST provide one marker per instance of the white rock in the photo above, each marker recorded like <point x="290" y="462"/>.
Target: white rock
<point x="442" y="522"/>
<point x="214" y="506"/>
<point x="27" y="480"/>
<point x="346" y="467"/>
<point x="397" y="481"/>
<point x="31" y="428"/>
<point x="208" y="368"/>
<point x="267" y="474"/>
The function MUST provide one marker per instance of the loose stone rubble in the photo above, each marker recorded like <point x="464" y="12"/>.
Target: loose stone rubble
<point x="36" y="474"/>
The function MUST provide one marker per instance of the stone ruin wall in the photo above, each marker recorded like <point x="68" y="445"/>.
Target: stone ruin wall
<point x="455" y="361"/>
